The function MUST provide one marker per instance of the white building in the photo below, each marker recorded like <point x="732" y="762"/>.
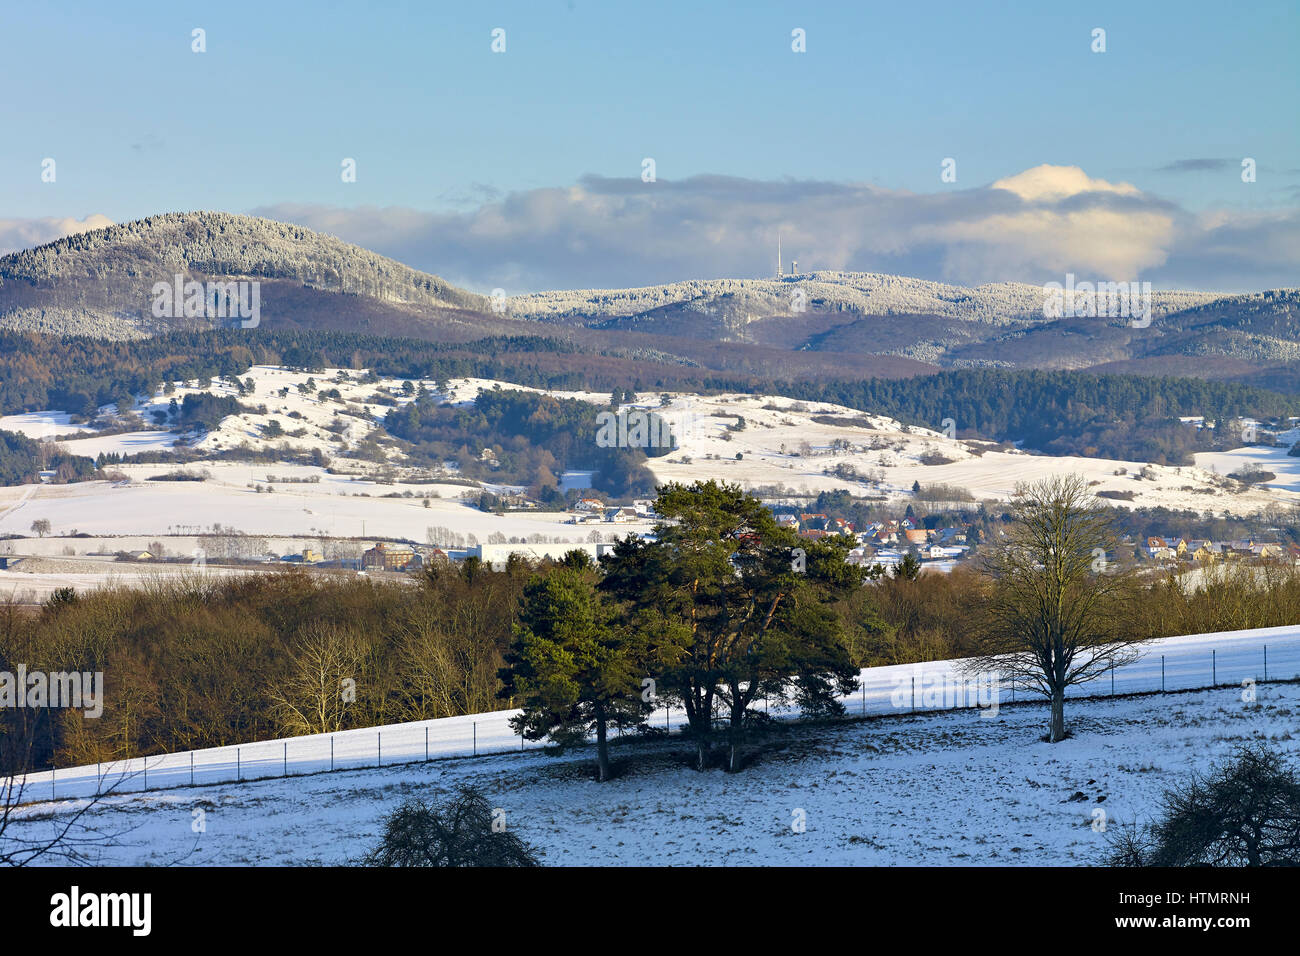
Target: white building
<point x="496" y="555"/>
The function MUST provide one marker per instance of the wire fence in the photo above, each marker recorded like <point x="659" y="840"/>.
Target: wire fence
<point x="1173" y="664"/>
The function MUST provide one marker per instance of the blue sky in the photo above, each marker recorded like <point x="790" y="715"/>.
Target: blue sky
<point x="444" y="131"/>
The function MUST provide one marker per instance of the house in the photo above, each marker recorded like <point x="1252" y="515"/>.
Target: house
<point x="941" y="552"/>
<point x="621" y="515"/>
<point x="384" y="557"/>
<point x="589" y="504"/>
<point x="1156" y="543"/>
<point x="1238" y="549"/>
<point x="139" y="556"/>
<point x="787" y="521"/>
<point x="916" y="536"/>
<point x="516" y="500"/>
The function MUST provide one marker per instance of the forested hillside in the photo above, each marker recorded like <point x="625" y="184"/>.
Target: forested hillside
<point x="1114" y="416"/>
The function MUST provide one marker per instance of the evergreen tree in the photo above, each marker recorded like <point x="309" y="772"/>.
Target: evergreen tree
<point x="909" y="567"/>
<point x="733" y="611"/>
<point x="574" y="665"/>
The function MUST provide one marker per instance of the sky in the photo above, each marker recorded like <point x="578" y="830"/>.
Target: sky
<point x="525" y="169"/>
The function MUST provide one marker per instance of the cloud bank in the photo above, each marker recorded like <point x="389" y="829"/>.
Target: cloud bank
<point x="1034" y="227"/>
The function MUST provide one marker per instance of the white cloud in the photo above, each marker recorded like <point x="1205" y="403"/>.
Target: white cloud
<point x="1059" y="182"/>
<point x="1033" y="226"/>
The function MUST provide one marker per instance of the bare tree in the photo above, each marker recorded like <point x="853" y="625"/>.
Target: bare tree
<point x="317" y="694"/>
<point x="1054" y="618"/>
<point x="36" y="835"/>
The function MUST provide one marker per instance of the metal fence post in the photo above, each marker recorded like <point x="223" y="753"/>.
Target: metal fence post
<point x="286" y="758"/>
<point x="1112" y="680"/>
<point x="1214" y="668"/>
<point x="191" y="768"/>
<point x="914" y="692"/>
<point x="475" y="744"/>
<point x="331" y="751"/>
<point x="1162" y="673"/>
<point x="426" y="742"/>
<point x="1265" y="662"/>
<point x="379" y="743"/>
<point x="238" y="772"/>
<point x="52" y="772"/>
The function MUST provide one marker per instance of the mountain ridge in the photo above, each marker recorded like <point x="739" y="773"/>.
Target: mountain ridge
<point x="99" y="283"/>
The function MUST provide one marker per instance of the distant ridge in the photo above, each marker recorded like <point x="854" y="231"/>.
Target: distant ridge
<point x="866" y="293"/>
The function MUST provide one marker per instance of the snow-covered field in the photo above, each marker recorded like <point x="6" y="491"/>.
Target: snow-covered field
<point x="781" y="444"/>
<point x="35" y="587"/>
<point x="335" y="507"/>
<point x="895" y="787"/>
<point x="1276" y="460"/>
<point x="905" y="790"/>
<point x="41" y="425"/>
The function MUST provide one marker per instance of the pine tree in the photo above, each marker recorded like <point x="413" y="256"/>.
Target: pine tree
<point x="732" y="611"/>
<point x="574" y="665"/>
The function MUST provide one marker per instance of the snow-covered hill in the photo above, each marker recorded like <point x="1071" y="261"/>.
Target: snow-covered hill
<point x="868" y="293"/>
<point x="99" y="282"/>
<point x="785" y="449"/>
